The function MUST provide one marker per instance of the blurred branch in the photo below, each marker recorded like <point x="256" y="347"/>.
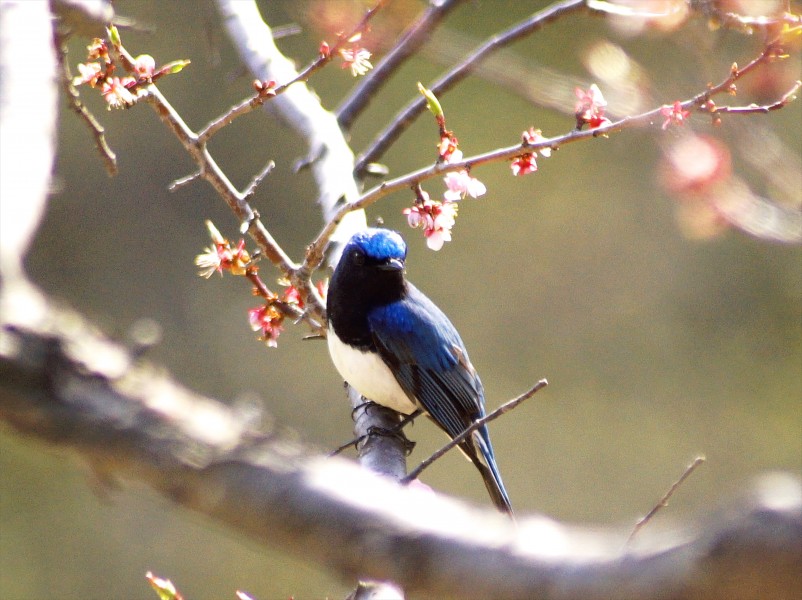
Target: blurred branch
<point x="663" y="503"/>
<point x="62" y="383"/>
<point x="410" y="42"/>
<point x="28" y="117"/>
<point x="406" y="116"/>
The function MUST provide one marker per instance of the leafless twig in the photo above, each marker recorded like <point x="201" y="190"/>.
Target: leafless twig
<point x="666" y="497"/>
<point x="504" y="408"/>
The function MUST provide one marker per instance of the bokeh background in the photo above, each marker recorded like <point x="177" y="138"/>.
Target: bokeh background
<point x="664" y="334"/>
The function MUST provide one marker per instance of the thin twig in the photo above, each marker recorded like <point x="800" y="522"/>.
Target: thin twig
<point x="182" y="181"/>
<point x="666" y="497"/>
<point x="411" y="41"/>
<point x="765" y="108"/>
<point x="247" y="106"/>
<point x="404" y="119"/>
<point x="75" y="103"/>
<point x="249" y="191"/>
<point x="209" y="170"/>
<point x="504" y="408"/>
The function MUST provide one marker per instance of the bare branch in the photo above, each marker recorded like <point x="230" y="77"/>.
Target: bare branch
<point x="404" y="119"/>
<point x="504" y="408"/>
<point x="411" y="40"/>
<point x="666" y="497"/>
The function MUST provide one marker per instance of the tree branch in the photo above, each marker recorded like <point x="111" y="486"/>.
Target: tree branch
<point x="62" y="383"/>
<point x="404" y="119"/>
<point x="410" y="42"/>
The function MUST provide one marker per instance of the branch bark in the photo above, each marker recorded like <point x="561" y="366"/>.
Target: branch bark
<point x="62" y="383"/>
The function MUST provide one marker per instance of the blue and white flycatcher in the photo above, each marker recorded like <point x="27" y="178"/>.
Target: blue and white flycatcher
<point x="396" y="348"/>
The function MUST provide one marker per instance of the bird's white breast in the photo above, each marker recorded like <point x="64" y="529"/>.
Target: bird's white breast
<point x="367" y="373"/>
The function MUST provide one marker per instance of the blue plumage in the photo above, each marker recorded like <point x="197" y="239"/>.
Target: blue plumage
<point x="397" y="348"/>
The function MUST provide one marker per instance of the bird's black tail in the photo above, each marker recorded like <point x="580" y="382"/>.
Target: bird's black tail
<point x="480" y="451"/>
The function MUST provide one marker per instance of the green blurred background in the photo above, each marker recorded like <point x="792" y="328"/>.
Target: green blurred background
<point x="658" y="345"/>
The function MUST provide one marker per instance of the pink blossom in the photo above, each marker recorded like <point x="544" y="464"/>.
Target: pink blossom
<point x="461" y="184"/>
<point x="524" y="164"/>
<point x="674" y="114"/>
<point x="145" y="66"/>
<point x="435" y="218"/>
<point x="89" y="73"/>
<point x="447" y="148"/>
<point x="535" y="136"/>
<point x="116" y="93"/>
<point x="267" y="320"/>
<point x="590" y="107"/>
<point x="454" y="155"/>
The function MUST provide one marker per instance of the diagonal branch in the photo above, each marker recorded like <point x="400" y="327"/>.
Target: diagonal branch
<point x="701" y="102"/>
<point x="404" y="119"/>
<point x="503" y="409"/>
<point x="411" y="40"/>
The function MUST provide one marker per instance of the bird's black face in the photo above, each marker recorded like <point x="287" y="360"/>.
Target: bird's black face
<point x="373" y="276"/>
<point x="370" y="274"/>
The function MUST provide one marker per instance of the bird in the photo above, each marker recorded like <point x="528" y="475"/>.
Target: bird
<point x="393" y="345"/>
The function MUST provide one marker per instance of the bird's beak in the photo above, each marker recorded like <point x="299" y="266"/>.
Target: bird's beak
<point x="392" y="264"/>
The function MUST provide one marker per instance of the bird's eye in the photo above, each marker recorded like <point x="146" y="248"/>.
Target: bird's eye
<point x="359" y="258"/>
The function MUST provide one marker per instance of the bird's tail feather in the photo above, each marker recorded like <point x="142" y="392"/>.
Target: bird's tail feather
<point x="481" y="454"/>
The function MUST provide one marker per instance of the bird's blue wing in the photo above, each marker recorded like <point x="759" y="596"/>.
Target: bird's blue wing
<point x="424" y="351"/>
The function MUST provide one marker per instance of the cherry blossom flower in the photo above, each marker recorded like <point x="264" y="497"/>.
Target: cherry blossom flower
<point x="674" y="114"/>
<point x="461" y="184"/>
<point x="535" y="136"/>
<point x="524" y="164"/>
<point x="145" y="66"/>
<point x="527" y="163"/>
<point x="357" y="59"/>
<point x="448" y="148"/>
<point x="590" y="107"/>
<point x="116" y="94"/>
<point x="97" y="49"/>
<point x="435" y="218"/>
<point x="221" y="257"/>
<point x="267" y="320"/>
<point x="90" y="73"/>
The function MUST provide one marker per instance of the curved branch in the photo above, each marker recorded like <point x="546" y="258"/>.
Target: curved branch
<point x="62" y="383"/>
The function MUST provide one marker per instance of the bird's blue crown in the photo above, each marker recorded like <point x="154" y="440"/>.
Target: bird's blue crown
<point x="380" y="244"/>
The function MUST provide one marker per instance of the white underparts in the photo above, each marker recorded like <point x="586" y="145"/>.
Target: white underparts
<point x="368" y="375"/>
